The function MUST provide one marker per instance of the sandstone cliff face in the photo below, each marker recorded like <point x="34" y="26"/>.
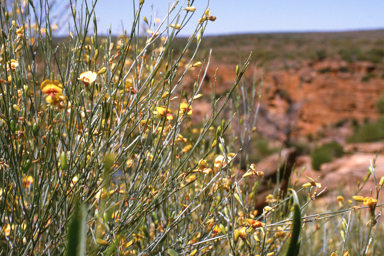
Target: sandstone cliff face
<point x="327" y="91"/>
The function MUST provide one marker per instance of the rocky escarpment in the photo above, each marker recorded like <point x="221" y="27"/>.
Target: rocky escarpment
<point x="324" y="92"/>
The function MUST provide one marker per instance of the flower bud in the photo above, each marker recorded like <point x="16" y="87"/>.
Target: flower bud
<point x="358" y="198"/>
<point x="190" y="8"/>
<point x="102" y="71"/>
<point x="175" y="26"/>
<point x="381" y="181"/>
<point x="212" y="18"/>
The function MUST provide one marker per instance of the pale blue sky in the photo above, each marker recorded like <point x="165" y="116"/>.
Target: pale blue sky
<point x="249" y="16"/>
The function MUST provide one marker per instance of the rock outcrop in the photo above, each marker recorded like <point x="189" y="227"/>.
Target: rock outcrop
<point x="328" y="91"/>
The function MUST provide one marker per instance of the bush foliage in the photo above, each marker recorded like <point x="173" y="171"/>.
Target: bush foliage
<point x="368" y="132"/>
<point x="325" y="154"/>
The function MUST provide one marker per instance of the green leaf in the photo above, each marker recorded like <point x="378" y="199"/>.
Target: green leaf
<point x="222" y="228"/>
<point x="76" y="233"/>
<point x="294" y="246"/>
<point x="172" y="252"/>
<point x="295" y="197"/>
<point x="112" y="248"/>
<point x="108" y="163"/>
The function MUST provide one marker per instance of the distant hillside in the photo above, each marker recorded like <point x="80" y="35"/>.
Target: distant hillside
<point x="292" y="47"/>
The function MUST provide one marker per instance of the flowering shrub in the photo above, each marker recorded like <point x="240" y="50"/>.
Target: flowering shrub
<point x="98" y="153"/>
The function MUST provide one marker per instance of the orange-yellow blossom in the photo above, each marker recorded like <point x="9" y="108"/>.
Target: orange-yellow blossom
<point x="53" y="89"/>
<point x="254" y="223"/>
<point x="88" y="77"/>
<point x="20" y="33"/>
<point x="370" y="202"/>
<point x="12" y="65"/>
<point x="28" y="182"/>
<point x="185" y="108"/>
<point x="163" y="111"/>
<point x="311" y="184"/>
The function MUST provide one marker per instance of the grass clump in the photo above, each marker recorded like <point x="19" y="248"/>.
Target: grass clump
<point x="325" y="154"/>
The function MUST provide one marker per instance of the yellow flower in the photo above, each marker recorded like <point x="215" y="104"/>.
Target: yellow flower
<point x="185" y="108"/>
<point x="28" y="182"/>
<point x="243" y="233"/>
<point x="129" y="87"/>
<point x="7" y="230"/>
<point x="254" y="223"/>
<point x="20" y="33"/>
<point x="186" y="148"/>
<point x="311" y="184"/>
<point x="370" y="202"/>
<point x="53" y="89"/>
<point x="340" y="200"/>
<point x="51" y="86"/>
<point x="88" y="77"/>
<point x="13" y="64"/>
<point x="162" y="111"/>
<point x="55" y="99"/>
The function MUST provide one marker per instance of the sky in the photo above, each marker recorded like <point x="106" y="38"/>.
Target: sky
<point x="254" y="16"/>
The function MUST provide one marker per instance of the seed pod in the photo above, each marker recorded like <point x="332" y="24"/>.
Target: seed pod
<point x="35" y="129"/>
<point x="64" y="161"/>
<point x="27" y="166"/>
<point x="17" y="108"/>
<point x="218" y="131"/>
<point x="212" y="18"/>
<point x="381" y="181"/>
<point x="12" y="124"/>
<point x="167" y="74"/>
<point x="102" y="71"/>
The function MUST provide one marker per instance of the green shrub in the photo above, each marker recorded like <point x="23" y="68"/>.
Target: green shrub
<point x="319" y="157"/>
<point x="341" y="123"/>
<point x="321" y="54"/>
<point x="325" y="154"/>
<point x="351" y="55"/>
<point x="380" y="104"/>
<point x="355" y="123"/>
<point x="368" y="132"/>
<point x="368" y="77"/>
<point x="302" y="148"/>
<point x="375" y="55"/>
<point x="262" y="149"/>
<point x="324" y="70"/>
